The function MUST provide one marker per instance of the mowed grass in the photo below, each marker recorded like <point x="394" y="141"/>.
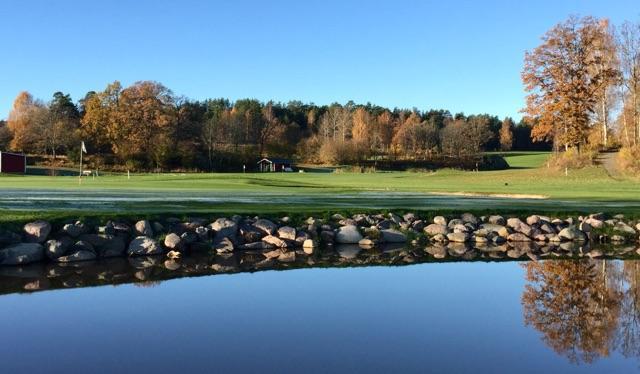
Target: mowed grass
<point x="528" y="177"/>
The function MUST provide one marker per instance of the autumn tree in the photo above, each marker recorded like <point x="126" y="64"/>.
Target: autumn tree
<point x="562" y="80"/>
<point x="506" y="134"/>
<point x="101" y="119"/>
<point x="26" y="121"/>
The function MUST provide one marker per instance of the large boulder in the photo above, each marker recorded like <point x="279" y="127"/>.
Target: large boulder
<point x="440" y="220"/>
<point x="144" y="228"/>
<point x="22" y="253"/>
<point x="275" y="241"/>
<point x="173" y="241"/>
<point x="572" y="233"/>
<point x="518" y="237"/>
<point x="287" y="232"/>
<point x="144" y="246"/>
<point x="75" y="229"/>
<point x="266" y="226"/>
<point x="393" y="236"/>
<point x="435" y="229"/>
<point x="57" y="247"/>
<point x="37" y="232"/>
<point x="250" y="233"/>
<point x="348" y="235"/>
<point x="224" y="228"/>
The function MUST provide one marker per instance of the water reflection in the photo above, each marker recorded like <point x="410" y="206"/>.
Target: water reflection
<point x="585" y="309"/>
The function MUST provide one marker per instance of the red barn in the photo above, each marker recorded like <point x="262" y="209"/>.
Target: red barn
<point x="13" y="163"/>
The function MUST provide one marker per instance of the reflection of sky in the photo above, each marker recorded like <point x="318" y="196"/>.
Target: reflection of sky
<point x="459" y="317"/>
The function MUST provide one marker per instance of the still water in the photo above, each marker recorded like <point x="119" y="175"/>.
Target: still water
<point x="525" y="317"/>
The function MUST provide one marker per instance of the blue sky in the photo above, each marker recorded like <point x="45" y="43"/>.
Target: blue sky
<point x="458" y="55"/>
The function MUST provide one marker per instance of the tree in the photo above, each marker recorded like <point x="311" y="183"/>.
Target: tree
<point x="506" y="134"/>
<point x="607" y="65"/>
<point x="269" y="124"/>
<point x="563" y="81"/>
<point x="101" y="120"/>
<point x="5" y="135"/>
<point x="26" y="121"/>
<point x="629" y="51"/>
<point x="61" y="129"/>
<point x="146" y="111"/>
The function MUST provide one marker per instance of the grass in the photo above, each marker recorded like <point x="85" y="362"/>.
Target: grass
<point x="528" y="177"/>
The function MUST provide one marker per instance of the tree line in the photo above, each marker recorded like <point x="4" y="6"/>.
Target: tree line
<point x="145" y="126"/>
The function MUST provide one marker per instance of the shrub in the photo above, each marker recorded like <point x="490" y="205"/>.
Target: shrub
<point x="628" y="160"/>
<point x="572" y="159"/>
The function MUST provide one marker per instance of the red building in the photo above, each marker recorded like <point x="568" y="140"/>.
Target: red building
<point x="13" y="163"/>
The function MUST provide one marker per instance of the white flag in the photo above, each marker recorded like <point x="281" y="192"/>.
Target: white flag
<point x="84" y="149"/>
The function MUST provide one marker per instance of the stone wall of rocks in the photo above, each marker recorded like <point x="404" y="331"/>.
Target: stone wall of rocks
<point x="279" y="238"/>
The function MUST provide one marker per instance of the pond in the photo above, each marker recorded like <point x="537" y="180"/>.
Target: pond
<point x="342" y="312"/>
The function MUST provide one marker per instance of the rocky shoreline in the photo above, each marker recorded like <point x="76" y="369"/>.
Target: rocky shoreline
<point x="467" y="235"/>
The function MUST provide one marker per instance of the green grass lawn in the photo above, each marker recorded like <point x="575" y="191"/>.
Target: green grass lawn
<point x="529" y="177"/>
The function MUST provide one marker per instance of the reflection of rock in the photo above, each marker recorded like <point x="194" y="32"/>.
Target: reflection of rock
<point x="437" y="251"/>
<point x="348" y="251"/>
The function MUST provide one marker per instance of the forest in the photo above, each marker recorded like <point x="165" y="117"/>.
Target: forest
<point x="582" y="86"/>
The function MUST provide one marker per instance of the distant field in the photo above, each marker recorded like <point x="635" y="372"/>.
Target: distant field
<point x="529" y="180"/>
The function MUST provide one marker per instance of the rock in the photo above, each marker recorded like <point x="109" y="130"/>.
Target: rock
<point x="584" y="227"/>
<point x="624" y="228"/>
<point x="144" y="228"/>
<point x="496" y="220"/>
<point x="480" y="239"/>
<point x="22" y="253"/>
<point x="301" y="237"/>
<point x="440" y="220"/>
<point x="595" y="223"/>
<point x="518" y="237"/>
<point x="469" y="218"/>
<point x="393" y="236"/>
<point x="266" y="226"/>
<point x="409" y="217"/>
<point x="458" y="237"/>
<point x="57" y="248"/>
<point x="37" y="232"/>
<point x="202" y="232"/>
<point x="144" y="246"/>
<point x="225" y="245"/>
<point x="258" y="246"/>
<point x="8" y="237"/>
<point x="79" y="255"/>
<point x="287" y="232"/>
<point x="348" y="235"/>
<point x="418" y="225"/>
<point x="571" y="233"/>
<point x="225" y="228"/>
<point x="435" y="229"/>
<point x="275" y="241"/>
<point x="190" y="237"/>
<point x="75" y="229"/>
<point x="173" y="242"/>
<point x="251" y="234"/>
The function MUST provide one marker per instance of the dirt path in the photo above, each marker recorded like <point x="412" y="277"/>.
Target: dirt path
<point x="608" y="161"/>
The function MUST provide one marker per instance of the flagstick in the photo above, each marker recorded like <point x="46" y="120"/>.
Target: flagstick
<point x="80" y="174"/>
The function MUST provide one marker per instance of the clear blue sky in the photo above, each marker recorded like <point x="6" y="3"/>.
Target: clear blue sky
<point x="458" y="55"/>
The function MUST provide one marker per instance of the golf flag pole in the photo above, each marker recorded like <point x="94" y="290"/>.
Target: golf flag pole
<point x="83" y="149"/>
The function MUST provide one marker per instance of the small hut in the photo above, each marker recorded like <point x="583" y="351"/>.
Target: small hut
<point x="274" y="164"/>
<point x="13" y="163"/>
